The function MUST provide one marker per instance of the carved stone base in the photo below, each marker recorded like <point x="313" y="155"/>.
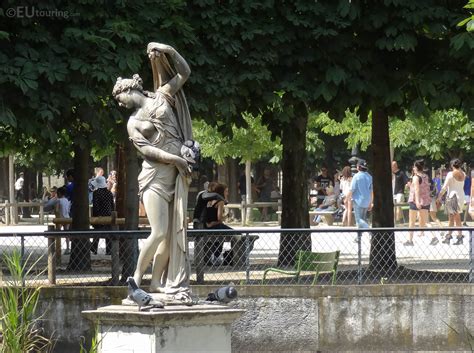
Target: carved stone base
<point x="199" y="328"/>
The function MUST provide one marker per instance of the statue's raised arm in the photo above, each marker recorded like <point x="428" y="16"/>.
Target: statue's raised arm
<point x="170" y="70"/>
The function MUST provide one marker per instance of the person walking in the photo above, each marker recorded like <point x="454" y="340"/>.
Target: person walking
<point x="361" y="194"/>
<point x="63" y="210"/>
<point x="346" y="180"/>
<point x="399" y="180"/>
<point x="419" y="201"/>
<point x="453" y="187"/>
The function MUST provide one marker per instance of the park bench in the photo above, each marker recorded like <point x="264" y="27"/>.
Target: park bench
<point x="10" y="210"/>
<point x="244" y="208"/>
<point x="241" y="245"/>
<point x="328" y="216"/>
<point x="403" y="206"/>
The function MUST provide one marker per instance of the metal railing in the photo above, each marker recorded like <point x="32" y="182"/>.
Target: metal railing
<point x="241" y="256"/>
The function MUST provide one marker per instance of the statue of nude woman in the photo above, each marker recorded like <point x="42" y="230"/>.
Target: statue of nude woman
<point x="158" y="127"/>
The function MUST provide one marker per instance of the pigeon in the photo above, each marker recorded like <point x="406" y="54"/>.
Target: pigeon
<point x="139" y="296"/>
<point x="224" y="295"/>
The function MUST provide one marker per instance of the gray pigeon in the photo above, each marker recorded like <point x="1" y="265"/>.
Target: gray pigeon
<point x="224" y="295"/>
<point x="139" y="296"/>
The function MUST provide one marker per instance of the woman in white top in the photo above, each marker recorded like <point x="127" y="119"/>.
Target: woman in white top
<point x="345" y="187"/>
<point x="453" y="187"/>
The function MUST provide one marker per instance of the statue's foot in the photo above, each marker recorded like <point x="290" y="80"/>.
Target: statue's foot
<point x="184" y="297"/>
<point x="156" y="289"/>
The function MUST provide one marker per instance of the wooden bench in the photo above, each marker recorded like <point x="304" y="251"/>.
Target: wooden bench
<point x="245" y="206"/>
<point x="11" y="211"/>
<point x="328" y="216"/>
<point x="239" y="249"/>
<point x="403" y="206"/>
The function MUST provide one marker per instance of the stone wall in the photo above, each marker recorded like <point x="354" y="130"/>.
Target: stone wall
<point x="305" y="318"/>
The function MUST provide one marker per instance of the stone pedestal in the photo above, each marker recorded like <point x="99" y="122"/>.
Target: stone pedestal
<point x="198" y="328"/>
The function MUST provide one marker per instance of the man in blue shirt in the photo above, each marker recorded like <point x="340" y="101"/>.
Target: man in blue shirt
<point x="361" y="194"/>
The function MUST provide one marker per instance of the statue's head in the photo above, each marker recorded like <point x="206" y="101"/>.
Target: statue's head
<point x="123" y="89"/>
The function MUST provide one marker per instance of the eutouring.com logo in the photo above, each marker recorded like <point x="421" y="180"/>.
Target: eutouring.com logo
<point x="33" y="12"/>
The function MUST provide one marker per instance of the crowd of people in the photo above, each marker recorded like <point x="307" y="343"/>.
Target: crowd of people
<point x="102" y="193"/>
<point x="349" y="195"/>
<point x="423" y="195"/>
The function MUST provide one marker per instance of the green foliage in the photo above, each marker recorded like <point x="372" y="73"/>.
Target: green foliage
<point x="357" y="133"/>
<point x="248" y="143"/>
<point x="443" y="134"/>
<point x="469" y="21"/>
<point x="18" y="308"/>
<point x="94" y="348"/>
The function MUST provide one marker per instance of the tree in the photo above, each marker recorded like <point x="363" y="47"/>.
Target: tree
<point x="57" y="74"/>
<point x="468" y="22"/>
<point x="218" y="146"/>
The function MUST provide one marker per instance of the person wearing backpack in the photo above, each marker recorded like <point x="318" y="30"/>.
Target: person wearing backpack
<point x="215" y="220"/>
<point x="202" y="198"/>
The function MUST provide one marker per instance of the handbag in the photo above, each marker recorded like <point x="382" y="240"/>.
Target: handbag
<point x="451" y="204"/>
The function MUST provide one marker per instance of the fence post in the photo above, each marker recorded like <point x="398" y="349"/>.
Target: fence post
<point x="247" y="258"/>
<point x="7" y="214"/>
<point x="22" y="254"/>
<point x="471" y="256"/>
<point x="58" y="246"/>
<point x="243" y="213"/>
<point x="359" y="256"/>
<point x="41" y="214"/>
<point x="52" y="260"/>
<point x="115" y="251"/>
<point x="199" y="252"/>
<point x="14" y="213"/>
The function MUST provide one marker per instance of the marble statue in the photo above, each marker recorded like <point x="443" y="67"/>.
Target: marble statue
<point x="159" y="127"/>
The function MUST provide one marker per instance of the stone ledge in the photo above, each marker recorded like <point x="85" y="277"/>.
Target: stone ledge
<point x="171" y="316"/>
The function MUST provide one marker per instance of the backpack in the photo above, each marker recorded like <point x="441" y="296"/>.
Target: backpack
<point x="200" y="216"/>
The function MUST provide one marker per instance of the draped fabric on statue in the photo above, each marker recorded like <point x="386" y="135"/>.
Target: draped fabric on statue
<point x="181" y="105"/>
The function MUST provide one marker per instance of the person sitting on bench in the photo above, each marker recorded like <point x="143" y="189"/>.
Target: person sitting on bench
<point x="215" y="220"/>
<point x="329" y="204"/>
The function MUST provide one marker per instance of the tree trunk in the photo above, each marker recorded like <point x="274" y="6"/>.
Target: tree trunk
<point x="4" y="178"/>
<point x="295" y="193"/>
<point x="129" y="247"/>
<point x="383" y="258"/>
<point x="233" y="179"/>
<point x="80" y="259"/>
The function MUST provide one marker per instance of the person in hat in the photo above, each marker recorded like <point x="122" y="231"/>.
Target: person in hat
<point x="102" y="205"/>
<point x="361" y="194"/>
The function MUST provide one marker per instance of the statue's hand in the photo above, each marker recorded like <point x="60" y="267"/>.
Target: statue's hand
<point x="155" y="49"/>
<point x="183" y="167"/>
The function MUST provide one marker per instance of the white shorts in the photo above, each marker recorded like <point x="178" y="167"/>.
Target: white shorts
<point x="398" y="198"/>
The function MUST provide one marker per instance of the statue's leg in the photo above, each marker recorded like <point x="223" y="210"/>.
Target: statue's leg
<point x="157" y="212"/>
<point x="160" y="266"/>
